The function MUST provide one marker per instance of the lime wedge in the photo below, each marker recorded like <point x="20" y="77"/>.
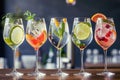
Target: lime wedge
<point x="82" y="31"/>
<point x="16" y="34"/>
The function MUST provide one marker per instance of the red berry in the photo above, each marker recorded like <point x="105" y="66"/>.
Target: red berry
<point x="108" y="34"/>
<point x="105" y="39"/>
<point x="102" y="39"/>
<point x="107" y="26"/>
<point x="98" y="29"/>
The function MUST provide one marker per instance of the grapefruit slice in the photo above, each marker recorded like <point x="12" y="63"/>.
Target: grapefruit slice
<point x="98" y="15"/>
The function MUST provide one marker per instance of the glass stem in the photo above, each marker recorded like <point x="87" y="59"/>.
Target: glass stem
<point x="82" y="66"/>
<point x="59" y="64"/>
<point x="105" y="55"/>
<point x="14" y="57"/>
<point x="36" y="69"/>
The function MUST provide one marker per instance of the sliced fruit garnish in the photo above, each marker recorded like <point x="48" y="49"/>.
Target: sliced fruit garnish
<point x="16" y="34"/>
<point x="102" y="39"/>
<point x="98" y="15"/>
<point x="87" y="23"/>
<point x="64" y="20"/>
<point x="36" y="42"/>
<point x="56" y="22"/>
<point x="82" y="31"/>
<point x="42" y="37"/>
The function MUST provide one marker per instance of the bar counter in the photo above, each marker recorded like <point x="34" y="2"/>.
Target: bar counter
<point x="70" y="77"/>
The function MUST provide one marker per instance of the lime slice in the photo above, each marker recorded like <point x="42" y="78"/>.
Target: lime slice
<point x="82" y="31"/>
<point x="16" y="34"/>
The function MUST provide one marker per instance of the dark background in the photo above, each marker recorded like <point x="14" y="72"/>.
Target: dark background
<point x="53" y="8"/>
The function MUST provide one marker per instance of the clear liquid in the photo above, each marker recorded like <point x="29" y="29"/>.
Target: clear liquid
<point x="7" y="38"/>
<point x="82" y="44"/>
<point x="59" y="42"/>
<point x="10" y="43"/>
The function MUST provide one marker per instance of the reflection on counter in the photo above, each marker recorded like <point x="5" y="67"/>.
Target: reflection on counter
<point x="94" y="57"/>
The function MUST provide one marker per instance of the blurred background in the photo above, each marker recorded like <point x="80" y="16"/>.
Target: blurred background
<point x="93" y="56"/>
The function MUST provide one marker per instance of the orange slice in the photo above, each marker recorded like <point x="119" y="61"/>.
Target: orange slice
<point x="64" y="20"/>
<point x="56" y="22"/>
<point x="98" y="15"/>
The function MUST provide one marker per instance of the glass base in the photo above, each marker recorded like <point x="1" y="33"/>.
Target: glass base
<point x="37" y="74"/>
<point x="107" y="74"/>
<point x="83" y="74"/>
<point x="15" y="74"/>
<point x="63" y="74"/>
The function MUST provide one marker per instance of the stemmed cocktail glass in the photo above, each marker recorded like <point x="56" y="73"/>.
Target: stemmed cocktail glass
<point x="105" y="36"/>
<point x="36" y="36"/>
<point x="82" y="36"/>
<point x="13" y="35"/>
<point x="58" y="36"/>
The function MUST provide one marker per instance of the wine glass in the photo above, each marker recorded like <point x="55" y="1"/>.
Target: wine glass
<point x="58" y="37"/>
<point x="82" y="36"/>
<point x="36" y="36"/>
<point x="105" y="36"/>
<point x="13" y="35"/>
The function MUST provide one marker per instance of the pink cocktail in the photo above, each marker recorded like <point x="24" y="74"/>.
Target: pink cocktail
<point x="105" y="36"/>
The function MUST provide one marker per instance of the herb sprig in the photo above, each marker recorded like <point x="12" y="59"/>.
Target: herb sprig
<point x="29" y="15"/>
<point x="60" y="31"/>
<point x="78" y="42"/>
<point x="11" y="16"/>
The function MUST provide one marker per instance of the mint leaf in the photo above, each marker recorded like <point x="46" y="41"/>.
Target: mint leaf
<point x="11" y="16"/>
<point x="56" y="33"/>
<point x="75" y="40"/>
<point x="63" y="28"/>
<point x="60" y="31"/>
<point x="29" y="15"/>
<point x="8" y="15"/>
<point x="87" y="24"/>
<point x="108" y="21"/>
